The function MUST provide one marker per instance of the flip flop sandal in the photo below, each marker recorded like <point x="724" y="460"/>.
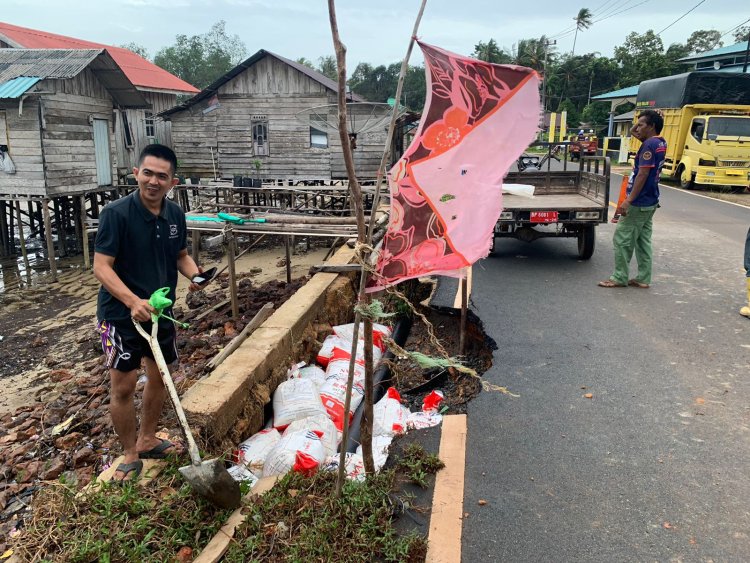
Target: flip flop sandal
<point x="158" y="451"/>
<point x="636" y="283"/>
<point x="134" y="467"/>
<point x="609" y="283"/>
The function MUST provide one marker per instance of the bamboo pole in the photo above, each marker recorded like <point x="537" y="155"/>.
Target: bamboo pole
<point x="48" y="236"/>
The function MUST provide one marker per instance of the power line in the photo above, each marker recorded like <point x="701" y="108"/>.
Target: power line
<point x="682" y="16"/>
<point x="735" y="27"/>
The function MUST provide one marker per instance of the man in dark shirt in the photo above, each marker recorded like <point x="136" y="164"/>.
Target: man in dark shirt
<point x="634" y="229"/>
<point x="141" y="244"/>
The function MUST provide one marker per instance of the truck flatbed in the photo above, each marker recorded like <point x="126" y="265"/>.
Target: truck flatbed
<point x="550" y="201"/>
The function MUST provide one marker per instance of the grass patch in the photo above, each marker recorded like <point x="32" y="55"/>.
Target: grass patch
<point x="417" y="464"/>
<point x="301" y="520"/>
<point x="119" y="523"/>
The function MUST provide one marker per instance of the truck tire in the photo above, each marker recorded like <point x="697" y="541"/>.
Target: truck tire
<point x="586" y="242"/>
<point x="685" y="184"/>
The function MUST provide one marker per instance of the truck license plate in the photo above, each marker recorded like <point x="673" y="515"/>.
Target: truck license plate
<point x="544" y="216"/>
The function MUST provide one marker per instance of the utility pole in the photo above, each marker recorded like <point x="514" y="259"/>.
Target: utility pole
<point x="747" y="52"/>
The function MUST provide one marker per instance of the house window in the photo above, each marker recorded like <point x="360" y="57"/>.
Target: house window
<point x="260" y="137"/>
<point x="150" y="125"/>
<point x="127" y="133"/>
<point x="318" y="138"/>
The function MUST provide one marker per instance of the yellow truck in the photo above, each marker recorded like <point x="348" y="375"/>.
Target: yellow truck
<point x="706" y="126"/>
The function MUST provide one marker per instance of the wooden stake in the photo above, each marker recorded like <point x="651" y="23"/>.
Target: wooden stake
<point x="22" y="239"/>
<point x="355" y="192"/>
<point x="259" y="318"/>
<point x="85" y="237"/>
<point x="196" y="243"/>
<point x="231" y="252"/>
<point x="48" y="236"/>
<point x="287" y="249"/>
<point x="464" y="313"/>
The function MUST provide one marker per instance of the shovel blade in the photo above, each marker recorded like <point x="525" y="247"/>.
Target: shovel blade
<point x="212" y="481"/>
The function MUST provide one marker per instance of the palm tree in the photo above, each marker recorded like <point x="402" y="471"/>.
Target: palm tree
<point x="583" y="21"/>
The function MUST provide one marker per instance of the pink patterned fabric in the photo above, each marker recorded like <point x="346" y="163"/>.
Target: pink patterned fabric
<point x="446" y="189"/>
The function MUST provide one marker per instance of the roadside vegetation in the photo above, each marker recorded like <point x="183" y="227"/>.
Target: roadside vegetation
<point x="299" y="519"/>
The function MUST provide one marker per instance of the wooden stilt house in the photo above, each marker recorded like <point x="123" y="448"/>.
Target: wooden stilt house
<point x="58" y="129"/>
<point x="258" y="120"/>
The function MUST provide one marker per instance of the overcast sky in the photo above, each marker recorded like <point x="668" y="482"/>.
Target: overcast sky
<point x="375" y="31"/>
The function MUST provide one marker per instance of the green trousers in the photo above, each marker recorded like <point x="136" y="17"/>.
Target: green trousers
<point x="633" y="234"/>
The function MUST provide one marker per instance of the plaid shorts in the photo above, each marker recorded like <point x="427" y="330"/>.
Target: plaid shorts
<point x="124" y="347"/>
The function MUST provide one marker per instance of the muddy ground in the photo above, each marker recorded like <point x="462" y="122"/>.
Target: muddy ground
<point x="54" y="419"/>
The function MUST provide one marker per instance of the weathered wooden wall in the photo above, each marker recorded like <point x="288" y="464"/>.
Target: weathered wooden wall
<point x="273" y="90"/>
<point x="25" y="149"/>
<point x="68" y="133"/>
<point x="127" y="155"/>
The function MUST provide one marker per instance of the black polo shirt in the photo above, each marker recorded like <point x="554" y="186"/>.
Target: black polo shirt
<point x="145" y="248"/>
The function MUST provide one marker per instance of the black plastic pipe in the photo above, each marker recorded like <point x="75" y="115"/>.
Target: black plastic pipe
<point x="381" y="380"/>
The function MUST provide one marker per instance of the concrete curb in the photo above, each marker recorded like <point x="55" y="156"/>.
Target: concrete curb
<point x="227" y="405"/>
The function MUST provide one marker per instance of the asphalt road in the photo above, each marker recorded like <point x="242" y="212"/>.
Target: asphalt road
<point x="654" y="467"/>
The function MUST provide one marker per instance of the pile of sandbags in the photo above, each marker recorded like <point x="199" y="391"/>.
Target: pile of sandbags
<point x="304" y="434"/>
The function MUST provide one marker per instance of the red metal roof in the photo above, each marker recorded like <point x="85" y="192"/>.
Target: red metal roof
<point x="139" y="71"/>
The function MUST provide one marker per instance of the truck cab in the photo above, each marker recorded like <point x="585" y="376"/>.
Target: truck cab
<point x="717" y="151"/>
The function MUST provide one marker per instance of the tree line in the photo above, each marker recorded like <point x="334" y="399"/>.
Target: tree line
<point x="570" y="80"/>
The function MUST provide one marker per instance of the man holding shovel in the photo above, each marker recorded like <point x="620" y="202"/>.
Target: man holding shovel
<point x="141" y="244"/>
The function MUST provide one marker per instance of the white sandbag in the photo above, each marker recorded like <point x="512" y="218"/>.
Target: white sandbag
<point x="295" y="399"/>
<point x="423" y="419"/>
<point x="316" y="374"/>
<point x="253" y="452"/>
<point x="389" y="415"/>
<point x="323" y="426"/>
<point x="340" y="369"/>
<point x="522" y="190"/>
<point x="301" y="451"/>
<point x="240" y="473"/>
<point x="379" y="333"/>
<point x="326" y="350"/>
<point x="380" y="445"/>
<point x="333" y="395"/>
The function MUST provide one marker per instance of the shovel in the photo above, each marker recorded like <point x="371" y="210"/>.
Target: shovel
<point x="209" y="478"/>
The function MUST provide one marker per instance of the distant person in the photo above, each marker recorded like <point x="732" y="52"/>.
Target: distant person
<point x="141" y="244"/>
<point x="634" y="229"/>
<point x="745" y="311"/>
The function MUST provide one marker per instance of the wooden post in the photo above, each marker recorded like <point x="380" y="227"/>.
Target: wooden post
<point x="84" y="235"/>
<point x="62" y="239"/>
<point x="196" y="238"/>
<point x="48" y="235"/>
<point x="231" y="253"/>
<point x="30" y="209"/>
<point x="464" y="313"/>
<point x="22" y="239"/>
<point x="287" y="245"/>
<point x="4" y="236"/>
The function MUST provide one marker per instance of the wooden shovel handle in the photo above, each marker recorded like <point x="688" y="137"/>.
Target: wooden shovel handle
<point x="153" y="342"/>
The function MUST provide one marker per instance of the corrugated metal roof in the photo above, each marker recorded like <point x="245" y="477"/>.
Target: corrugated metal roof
<point x="629" y="92"/>
<point x="240" y="68"/>
<point x="16" y="87"/>
<point x="67" y="63"/>
<point x="736" y="49"/>
<point x="138" y="70"/>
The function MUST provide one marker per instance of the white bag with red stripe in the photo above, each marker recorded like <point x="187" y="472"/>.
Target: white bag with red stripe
<point x="300" y="451"/>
